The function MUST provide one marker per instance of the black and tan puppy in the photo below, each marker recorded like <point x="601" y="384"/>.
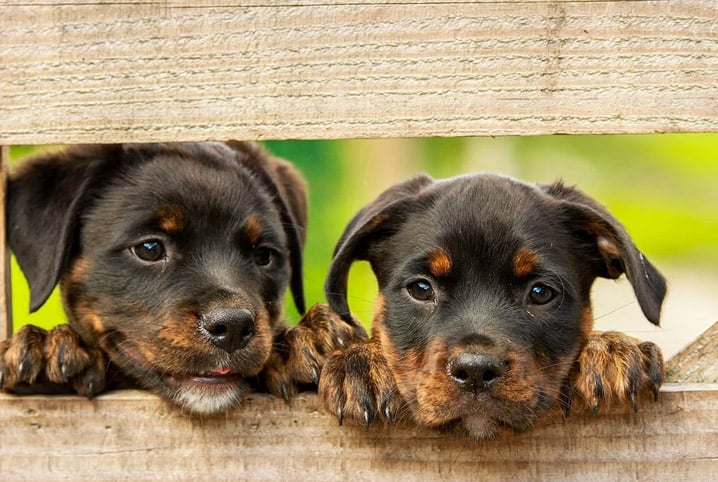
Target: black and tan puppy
<point x="173" y="261"/>
<point x="484" y="320"/>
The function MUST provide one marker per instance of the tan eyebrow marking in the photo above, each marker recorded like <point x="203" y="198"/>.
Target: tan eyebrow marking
<point x="439" y="263"/>
<point x="253" y="228"/>
<point x="170" y="219"/>
<point x="525" y="262"/>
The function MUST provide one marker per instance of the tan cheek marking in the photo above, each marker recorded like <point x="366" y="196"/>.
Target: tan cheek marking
<point x="525" y="262"/>
<point x="253" y="227"/>
<point x="79" y="270"/>
<point x="84" y="317"/>
<point x="170" y="219"/>
<point x="586" y="321"/>
<point x="439" y="263"/>
<point x="438" y="398"/>
<point x="179" y="332"/>
<point x="403" y="366"/>
<point x="96" y="322"/>
<point x="377" y="321"/>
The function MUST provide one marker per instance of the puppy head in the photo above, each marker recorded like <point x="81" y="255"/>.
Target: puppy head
<point x="484" y="292"/>
<point x="173" y="258"/>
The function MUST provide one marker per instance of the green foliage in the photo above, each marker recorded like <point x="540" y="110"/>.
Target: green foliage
<point x="662" y="187"/>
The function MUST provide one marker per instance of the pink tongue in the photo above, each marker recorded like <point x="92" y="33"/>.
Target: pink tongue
<point x="221" y="371"/>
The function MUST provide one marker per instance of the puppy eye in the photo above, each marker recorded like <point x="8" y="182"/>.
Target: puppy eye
<point x="421" y="290"/>
<point x="263" y="256"/>
<point x="150" y="251"/>
<point x="541" y="294"/>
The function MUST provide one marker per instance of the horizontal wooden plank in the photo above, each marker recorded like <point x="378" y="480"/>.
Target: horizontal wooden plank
<point x="133" y="435"/>
<point x="81" y="71"/>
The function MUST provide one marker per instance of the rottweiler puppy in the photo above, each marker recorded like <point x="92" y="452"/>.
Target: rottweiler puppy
<point x="483" y="320"/>
<point x="173" y="262"/>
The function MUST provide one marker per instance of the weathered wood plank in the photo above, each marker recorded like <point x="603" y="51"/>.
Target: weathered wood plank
<point x="698" y="362"/>
<point x="5" y="298"/>
<point x="133" y="435"/>
<point x="80" y="71"/>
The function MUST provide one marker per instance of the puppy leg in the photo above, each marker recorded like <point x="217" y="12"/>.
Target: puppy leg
<point x="616" y="367"/>
<point x="35" y="356"/>
<point x="357" y="384"/>
<point x="299" y="353"/>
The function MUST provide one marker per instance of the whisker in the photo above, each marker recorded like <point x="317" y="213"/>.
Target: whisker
<point x="615" y="310"/>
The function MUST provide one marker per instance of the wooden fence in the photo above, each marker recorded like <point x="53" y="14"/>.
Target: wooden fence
<point x="92" y="71"/>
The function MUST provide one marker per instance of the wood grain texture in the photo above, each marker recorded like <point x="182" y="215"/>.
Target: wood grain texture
<point x="134" y="436"/>
<point x="81" y="71"/>
<point x="5" y="298"/>
<point x="698" y="362"/>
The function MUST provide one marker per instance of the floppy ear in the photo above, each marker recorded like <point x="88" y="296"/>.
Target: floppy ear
<point x="289" y="194"/>
<point x="615" y="251"/>
<point x="379" y="218"/>
<point x="44" y="203"/>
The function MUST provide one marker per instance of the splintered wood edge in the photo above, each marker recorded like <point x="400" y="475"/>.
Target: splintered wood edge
<point x="698" y="362"/>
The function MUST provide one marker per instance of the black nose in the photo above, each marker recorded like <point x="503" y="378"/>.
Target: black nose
<point x="474" y="372"/>
<point x="229" y="328"/>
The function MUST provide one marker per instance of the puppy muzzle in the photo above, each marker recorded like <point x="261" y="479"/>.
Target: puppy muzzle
<point x="230" y="329"/>
<point x="475" y="372"/>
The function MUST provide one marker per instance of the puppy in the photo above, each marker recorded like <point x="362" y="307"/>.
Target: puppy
<point x="483" y="320"/>
<point x="173" y="262"/>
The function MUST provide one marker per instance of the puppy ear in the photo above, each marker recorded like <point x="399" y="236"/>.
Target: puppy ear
<point x="289" y="194"/>
<point x="615" y="252"/>
<point x="379" y="218"/>
<point x="44" y="203"/>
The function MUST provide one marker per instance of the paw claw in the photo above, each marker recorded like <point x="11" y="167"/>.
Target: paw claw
<point x="285" y="392"/>
<point x="21" y="370"/>
<point x="634" y="403"/>
<point x="656" y="389"/>
<point x="567" y="396"/>
<point x="366" y="419"/>
<point x="340" y="416"/>
<point x="315" y="376"/>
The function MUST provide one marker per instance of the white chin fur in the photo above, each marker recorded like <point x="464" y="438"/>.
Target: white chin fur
<point x="480" y="427"/>
<point x="208" y="402"/>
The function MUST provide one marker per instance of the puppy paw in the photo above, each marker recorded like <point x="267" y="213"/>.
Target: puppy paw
<point x="21" y="357"/>
<point x="299" y="352"/>
<point x="35" y="356"/>
<point x="69" y="361"/>
<point x="357" y="384"/>
<point x="614" y="367"/>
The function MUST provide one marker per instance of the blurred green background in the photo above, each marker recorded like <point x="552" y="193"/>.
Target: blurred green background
<point x="664" y="188"/>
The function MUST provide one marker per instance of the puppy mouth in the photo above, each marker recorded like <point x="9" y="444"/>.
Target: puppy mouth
<point x="218" y="376"/>
<point x="207" y="391"/>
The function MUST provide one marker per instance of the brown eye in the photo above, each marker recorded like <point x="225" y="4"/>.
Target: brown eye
<point x="149" y="251"/>
<point x="420" y="290"/>
<point x="541" y="294"/>
<point x="263" y="256"/>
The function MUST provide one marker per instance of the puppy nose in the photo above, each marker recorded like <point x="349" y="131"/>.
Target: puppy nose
<point x="229" y="329"/>
<point x="475" y="372"/>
